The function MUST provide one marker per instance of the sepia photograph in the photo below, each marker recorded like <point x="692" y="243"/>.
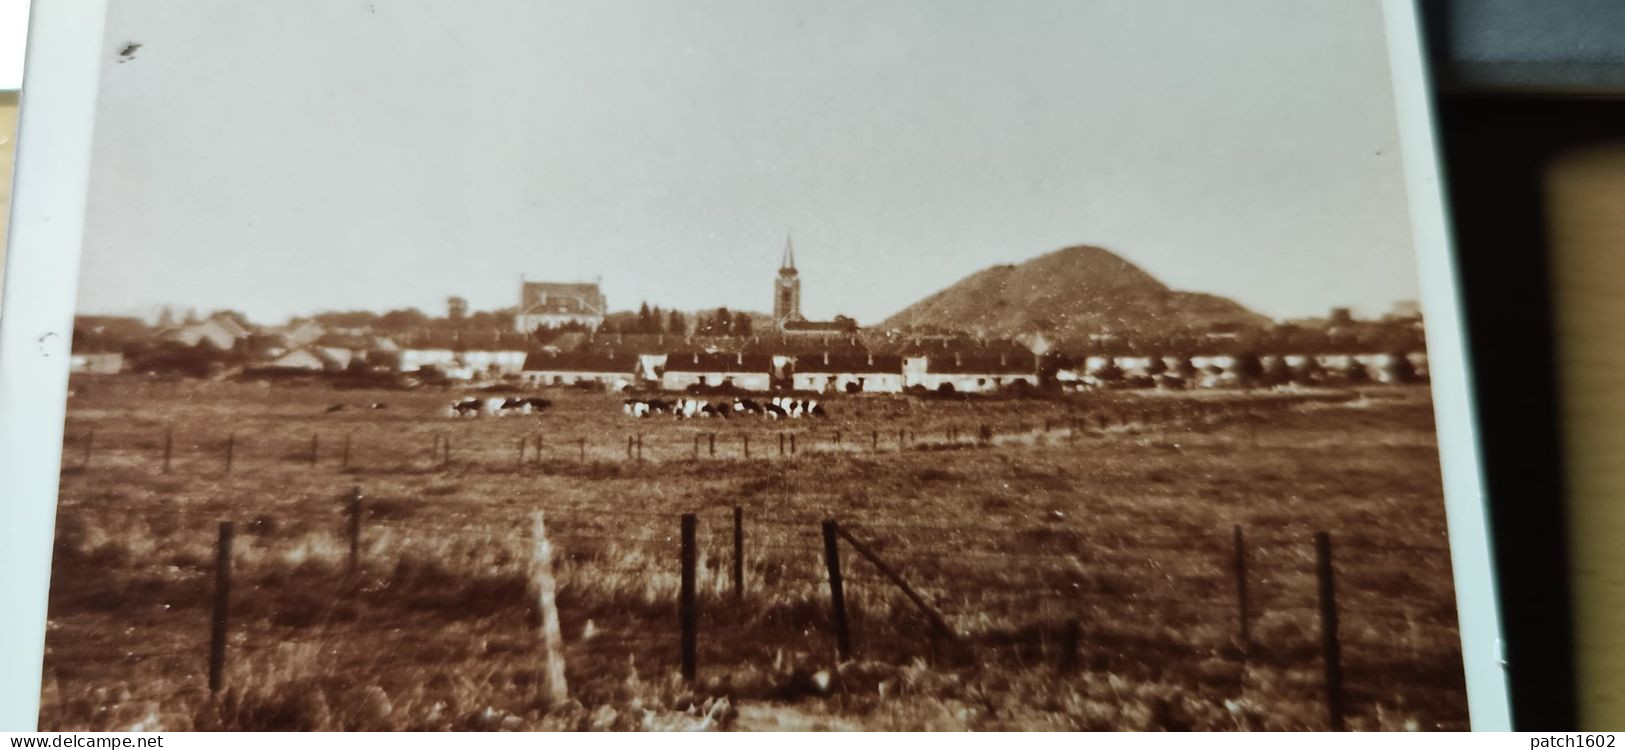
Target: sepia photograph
<point x="737" y="365"/>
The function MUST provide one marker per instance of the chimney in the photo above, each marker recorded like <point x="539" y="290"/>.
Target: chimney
<point x="826" y="358"/>
<point x="1002" y="361"/>
<point x="957" y="362"/>
<point x="739" y="358"/>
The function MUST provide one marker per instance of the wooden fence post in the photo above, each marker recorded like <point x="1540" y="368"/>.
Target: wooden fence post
<point x="781" y="445"/>
<point x="169" y="446"/>
<point x="581" y="443"/>
<point x="874" y="440"/>
<point x="685" y="606"/>
<point x="314" y="444"/>
<point x="222" y="602"/>
<point x="1331" y="652"/>
<point x="629" y="447"/>
<point x="837" y="597"/>
<point x="1243" y="617"/>
<point x="445" y="459"/>
<point x="538" y="447"/>
<point x="901" y="436"/>
<point x="434" y="450"/>
<point x="739" y="552"/>
<point x="355" y="509"/>
<point x="837" y="438"/>
<point x="520" y="463"/>
<point x="696" y="446"/>
<point x="747" y="445"/>
<point x="640" y="446"/>
<point x="792" y="443"/>
<point x="554" y="688"/>
<point x="711" y="443"/>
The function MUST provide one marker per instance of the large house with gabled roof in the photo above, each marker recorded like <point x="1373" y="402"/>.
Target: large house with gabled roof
<point x="547" y="304"/>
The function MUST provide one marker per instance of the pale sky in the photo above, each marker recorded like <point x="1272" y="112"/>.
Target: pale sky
<point x="289" y="157"/>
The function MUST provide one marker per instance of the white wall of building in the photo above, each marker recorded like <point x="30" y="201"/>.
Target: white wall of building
<point x="749" y="381"/>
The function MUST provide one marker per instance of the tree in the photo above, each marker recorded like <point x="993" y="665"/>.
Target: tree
<point x="349" y="319"/>
<point x="1110" y="372"/>
<point x="675" y="324"/>
<point x="406" y="319"/>
<point x="1249" y="368"/>
<point x="1356" y="372"/>
<point x="721" y="322"/>
<point x="1276" y="372"/>
<point x="645" y="319"/>
<point x="741" y="324"/>
<point x="1186" y="369"/>
<point x="1310" y="372"/>
<point x="1156" y="366"/>
<point x="1401" y="368"/>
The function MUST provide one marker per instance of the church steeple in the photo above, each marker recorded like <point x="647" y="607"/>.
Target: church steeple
<point x="787" y="287"/>
<point x="788" y="265"/>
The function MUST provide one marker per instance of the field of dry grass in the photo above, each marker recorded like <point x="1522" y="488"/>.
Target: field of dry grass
<point x="1115" y="512"/>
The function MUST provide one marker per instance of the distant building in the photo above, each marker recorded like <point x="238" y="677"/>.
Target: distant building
<point x="461" y="357"/>
<point x="842" y="328"/>
<point x="750" y="372"/>
<point x="849" y="373"/>
<point x="96" y="363"/>
<point x="787" y="317"/>
<point x="220" y="332"/>
<point x="616" y="372"/>
<point x="970" y="373"/>
<point x="544" y="304"/>
<point x="787" y="289"/>
<point x="313" y="359"/>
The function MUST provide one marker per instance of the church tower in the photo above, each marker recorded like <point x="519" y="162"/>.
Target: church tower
<point x="787" y="288"/>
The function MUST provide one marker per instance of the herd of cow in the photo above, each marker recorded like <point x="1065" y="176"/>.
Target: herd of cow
<point x="779" y="407"/>
<point x="496" y="406"/>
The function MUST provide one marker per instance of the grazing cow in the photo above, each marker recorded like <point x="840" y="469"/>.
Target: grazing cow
<point x="747" y="405"/>
<point x="774" y="411"/>
<point x="377" y="405"/>
<point x="468" y="407"/>
<point x="538" y="403"/>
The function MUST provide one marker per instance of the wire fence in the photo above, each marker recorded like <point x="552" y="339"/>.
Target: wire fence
<point x="878" y="587"/>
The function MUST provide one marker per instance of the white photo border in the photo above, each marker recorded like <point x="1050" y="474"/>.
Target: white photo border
<point x="1477" y="604"/>
<point x="54" y="132"/>
<point x="47" y="224"/>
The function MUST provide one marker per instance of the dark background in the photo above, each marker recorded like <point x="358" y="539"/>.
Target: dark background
<point x="1518" y="82"/>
